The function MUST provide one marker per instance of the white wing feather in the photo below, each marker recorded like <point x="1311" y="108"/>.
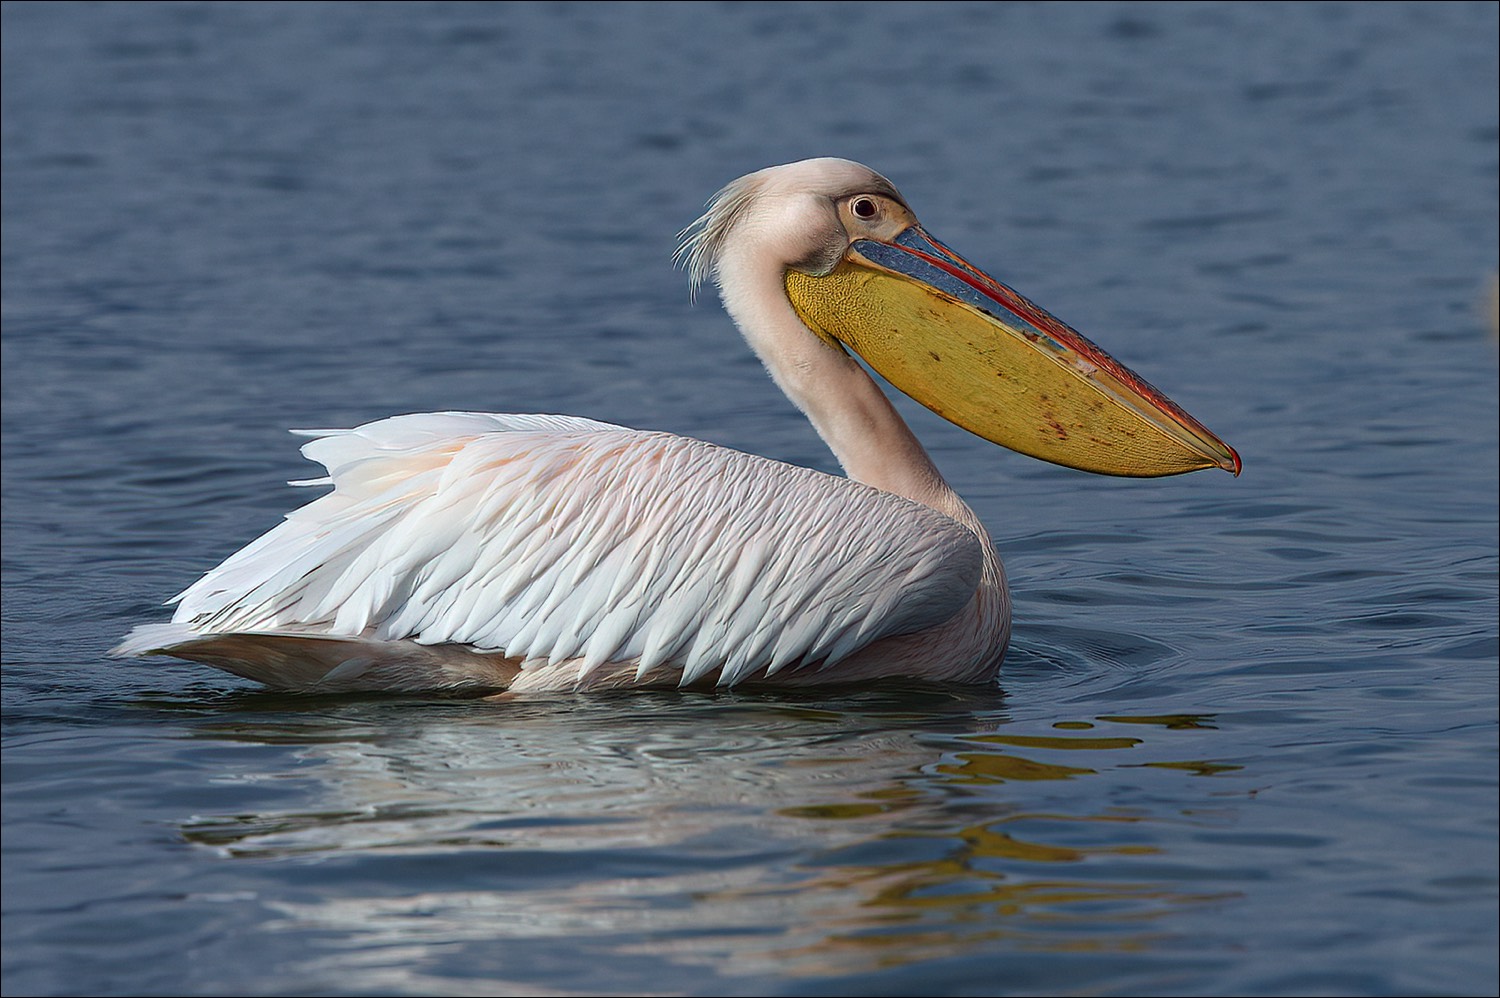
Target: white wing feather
<point x="553" y="539"/>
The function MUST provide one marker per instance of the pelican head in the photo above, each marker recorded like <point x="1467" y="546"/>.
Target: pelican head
<point x="861" y="273"/>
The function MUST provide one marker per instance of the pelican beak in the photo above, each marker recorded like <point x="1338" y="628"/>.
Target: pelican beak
<point x="982" y="356"/>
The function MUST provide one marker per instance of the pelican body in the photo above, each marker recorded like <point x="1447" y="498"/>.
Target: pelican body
<point x="478" y="552"/>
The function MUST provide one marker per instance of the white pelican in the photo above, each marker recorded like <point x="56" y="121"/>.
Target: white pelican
<point x="473" y="551"/>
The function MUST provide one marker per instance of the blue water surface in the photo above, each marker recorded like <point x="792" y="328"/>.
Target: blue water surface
<point x="1245" y="740"/>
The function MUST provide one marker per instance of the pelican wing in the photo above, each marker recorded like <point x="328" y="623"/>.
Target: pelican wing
<point x="552" y="539"/>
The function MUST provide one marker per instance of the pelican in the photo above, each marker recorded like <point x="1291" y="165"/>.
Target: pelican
<point x="464" y="551"/>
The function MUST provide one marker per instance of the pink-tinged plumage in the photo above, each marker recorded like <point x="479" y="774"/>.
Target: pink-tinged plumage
<point x="545" y="551"/>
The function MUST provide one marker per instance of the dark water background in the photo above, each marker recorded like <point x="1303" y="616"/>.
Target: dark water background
<point x="1246" y="737"/>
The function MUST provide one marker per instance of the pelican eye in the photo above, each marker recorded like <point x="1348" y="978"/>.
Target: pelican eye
<point x="864" y="208"/>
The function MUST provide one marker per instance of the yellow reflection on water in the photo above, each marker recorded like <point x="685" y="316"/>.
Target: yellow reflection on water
<point x="895" y="844"/>
<point x="995" y="881"/>
<point x="1056" y="742"/>
<point x="998" y="767"/>
<point x="979" y="890"/>
<point x="1174" y="722"/>
<point x="1199" y="767"/>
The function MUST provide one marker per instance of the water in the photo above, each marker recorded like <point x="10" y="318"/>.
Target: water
<point x="1245" y="740"/>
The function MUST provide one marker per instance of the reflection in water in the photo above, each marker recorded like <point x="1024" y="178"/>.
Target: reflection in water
<point x="978" y="891"/>
<point x="647" y="826"/>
